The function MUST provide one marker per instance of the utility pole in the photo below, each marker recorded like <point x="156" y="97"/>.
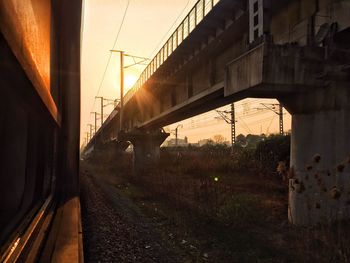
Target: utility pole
<point x="230" y="120"/>
<point x="109" y="102"/>
<point x="233" y="125"/>
<point x="122" y="68"/>
<point x="121" y="90"/>
<point x="122" y="54"/>
<point x="279" y="112"/>
<point x="281" y="119"/>
<point x="95" y="113"/>
<point x="91" y="133"/>
<point x="102" y="106"/>
<point x="177" y="133"/>
<point x="176" y="136"/>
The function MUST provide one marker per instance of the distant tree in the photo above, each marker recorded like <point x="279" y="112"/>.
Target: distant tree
<point x="273" y="150"/>
<point x="241" y="140"/>
<point x="219" y="139"/>
<point x="210" y="142"/>
<point x="253" y="140"/>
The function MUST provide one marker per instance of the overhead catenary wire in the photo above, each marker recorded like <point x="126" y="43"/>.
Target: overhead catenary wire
<point x="211" y="115"/>
<point x="268" y="127"/>
<point x="192" y="127"/>
<point x="197" y="131"/>
<point x="209" y="118"/>
<point x="172" y="26"/>
<point x="214" y="122"/>
<point x="110" y="54"/>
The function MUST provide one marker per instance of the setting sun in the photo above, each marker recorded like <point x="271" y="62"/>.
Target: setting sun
<point x="175" y="131"/>
<point x="129" y="81"/>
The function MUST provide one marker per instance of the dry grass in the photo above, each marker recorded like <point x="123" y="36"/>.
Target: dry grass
<point x="220" y="208"/>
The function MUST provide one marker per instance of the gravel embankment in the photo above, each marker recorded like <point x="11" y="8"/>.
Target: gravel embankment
<point x="113" y="231"/>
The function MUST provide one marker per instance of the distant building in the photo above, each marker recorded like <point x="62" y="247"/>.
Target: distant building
<point x="180" y="142"/>
<point x="227" y="143"/>
<point x="204" y="142"/>
<point x="211" y="142"/>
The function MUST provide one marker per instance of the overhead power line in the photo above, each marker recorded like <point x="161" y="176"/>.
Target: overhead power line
<point x="166" y="34"/>
<point x="279" y="112"/>
<point x="110" y="54"/>
<point x="230" y="118"/>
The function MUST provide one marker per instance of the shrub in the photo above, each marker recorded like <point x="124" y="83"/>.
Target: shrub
<point x="272" y="150"/>
<point x="240" y="210"/>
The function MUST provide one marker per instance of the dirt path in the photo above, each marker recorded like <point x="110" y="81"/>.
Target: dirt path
<point x="114" y="230"/>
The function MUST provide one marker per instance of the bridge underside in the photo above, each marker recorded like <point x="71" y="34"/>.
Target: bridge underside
<point x="300" y="58"/>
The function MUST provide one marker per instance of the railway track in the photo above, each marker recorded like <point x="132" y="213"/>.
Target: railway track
<point x="114" y="230"/>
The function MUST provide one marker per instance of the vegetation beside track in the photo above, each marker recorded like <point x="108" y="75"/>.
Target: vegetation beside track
<point x="215" y="205"/>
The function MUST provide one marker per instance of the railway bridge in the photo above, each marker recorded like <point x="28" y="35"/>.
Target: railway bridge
<point x="223" y="51"/>
<point x="296" y="51"/>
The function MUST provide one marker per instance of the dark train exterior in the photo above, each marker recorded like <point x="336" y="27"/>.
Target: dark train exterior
<point x="39" y="130"/>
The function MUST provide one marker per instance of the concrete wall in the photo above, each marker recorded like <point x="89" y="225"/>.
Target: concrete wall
<point x="181" y="90"/>
<point x="298" y="20"/>
<point x="226" y="56"/>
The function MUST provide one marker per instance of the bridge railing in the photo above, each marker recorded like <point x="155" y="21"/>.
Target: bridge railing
<point x="194" y="17"/>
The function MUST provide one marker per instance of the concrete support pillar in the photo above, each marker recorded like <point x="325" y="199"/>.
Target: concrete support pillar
<point x="146" y="148"/>
<point x="319" y="184"/>
<point x="116" y="148"/>
<point x="109" y="151"/>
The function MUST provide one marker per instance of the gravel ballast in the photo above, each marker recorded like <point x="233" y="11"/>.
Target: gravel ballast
<point x="113" y="231"/>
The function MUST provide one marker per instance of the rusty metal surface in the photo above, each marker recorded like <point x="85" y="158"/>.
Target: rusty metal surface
<point x="26" y="26"/>
<point x="40" y="82"/>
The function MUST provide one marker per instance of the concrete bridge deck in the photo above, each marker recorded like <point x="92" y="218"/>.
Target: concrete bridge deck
<point x="295" y="51"/>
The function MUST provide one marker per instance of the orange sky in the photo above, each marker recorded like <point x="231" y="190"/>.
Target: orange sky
<point x="146" y="23"/>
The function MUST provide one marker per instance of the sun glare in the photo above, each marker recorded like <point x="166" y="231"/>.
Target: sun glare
<point x="129" y="81"/>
